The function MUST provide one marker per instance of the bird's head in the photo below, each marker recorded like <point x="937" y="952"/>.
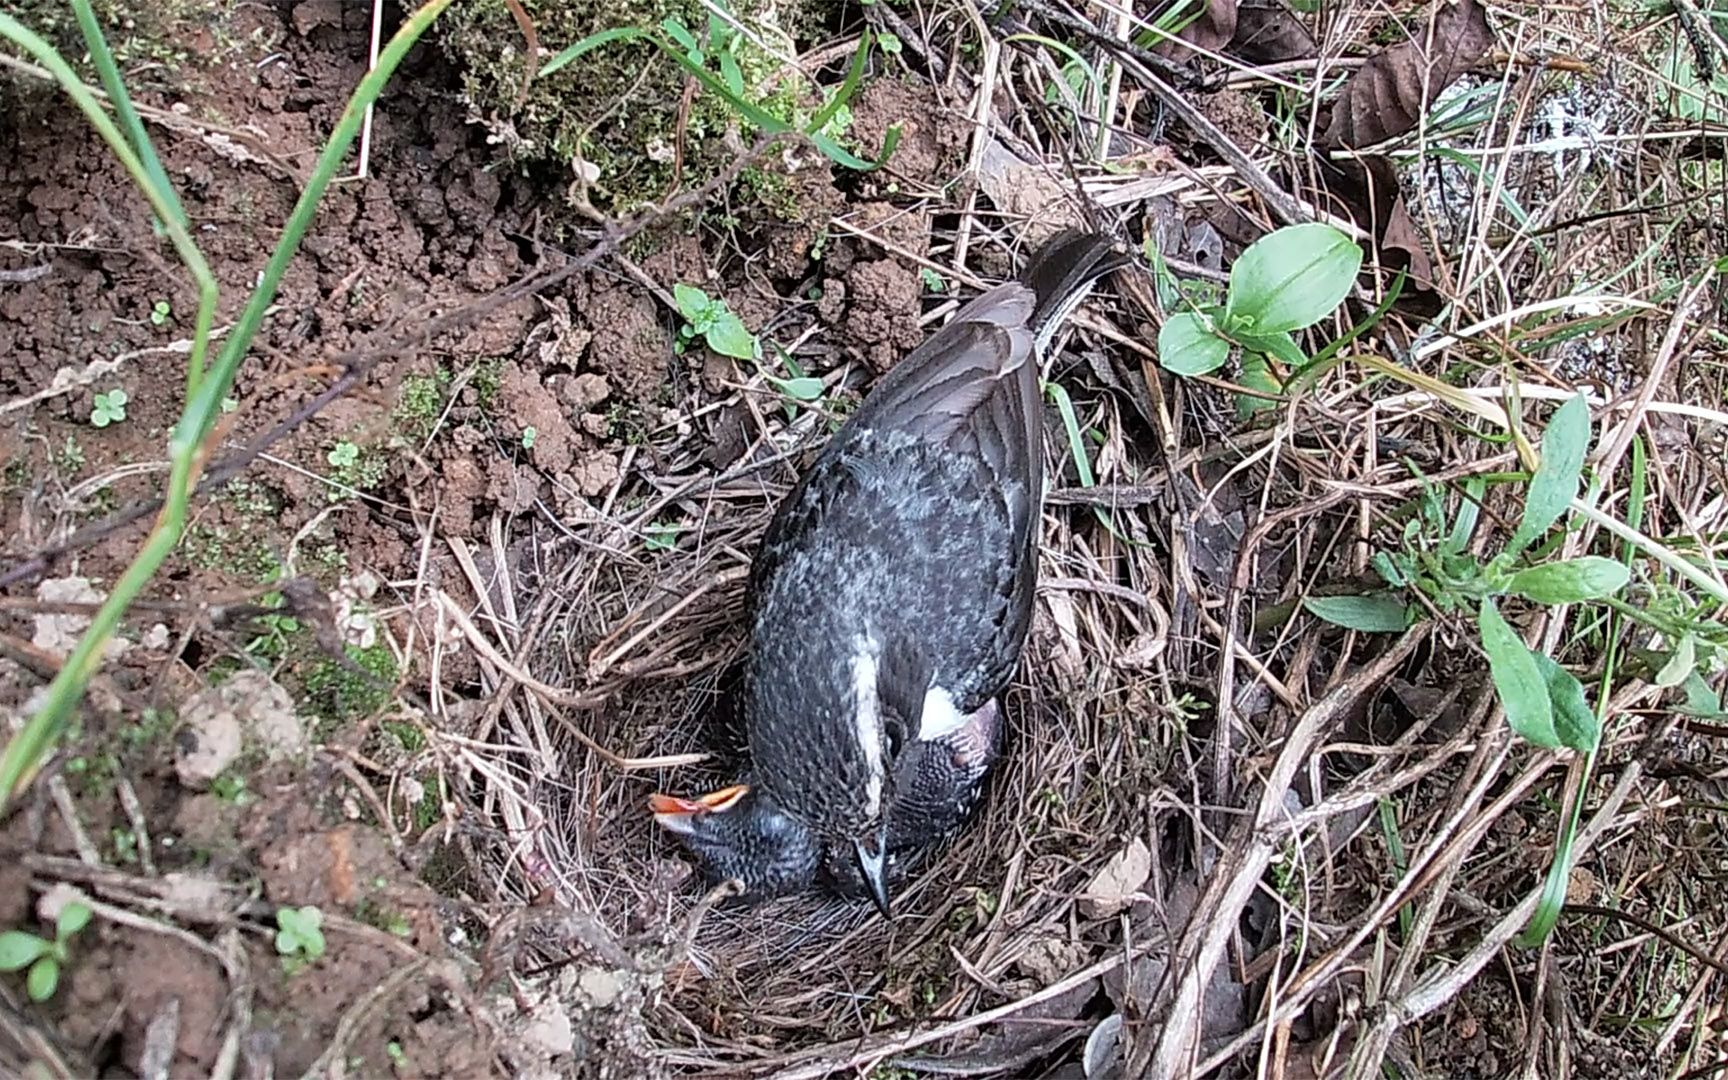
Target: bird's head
<point x="738" y="833"/>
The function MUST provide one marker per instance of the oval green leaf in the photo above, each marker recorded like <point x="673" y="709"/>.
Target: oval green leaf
<point x="18" y="950"/>
<point x="74" y="917"/>
<point x="1567" y="582"/>
<point x="692" y="302"/>
<point x="1575" y="722"/>
<point x="1256" y="375"/>
<point x="1682" y="663"/>
<point x="1374" y="613"/>
<point x="729" y="338"/>
<point x="44" y="976"/>
<point x="803" y="388"/>
<point x="1293" y="278"/>
<point x="1564" y="443"/>
<point x="1517" y="679"/>
<point x="1187" y="347"/>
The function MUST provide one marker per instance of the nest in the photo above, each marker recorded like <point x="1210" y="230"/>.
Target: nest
<point x="648" y="635"/>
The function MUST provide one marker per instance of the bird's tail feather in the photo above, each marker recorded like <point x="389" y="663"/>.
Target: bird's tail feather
<point x="1062" y="272"/>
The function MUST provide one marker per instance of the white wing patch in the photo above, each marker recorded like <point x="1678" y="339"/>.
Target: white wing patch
<point x="941" y="717"/>
<point x="867" y="717"/>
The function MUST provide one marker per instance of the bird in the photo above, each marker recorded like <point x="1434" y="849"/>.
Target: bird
<point x="737" y="833"/>
<point x="892" y="591"/>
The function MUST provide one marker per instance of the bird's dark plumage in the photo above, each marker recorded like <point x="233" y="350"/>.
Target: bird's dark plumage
<point x="892" y="592"/>
<point x="738" y="833"/>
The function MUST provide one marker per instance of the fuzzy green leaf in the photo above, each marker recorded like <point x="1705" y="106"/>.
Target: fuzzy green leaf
<point x="1564" y="443"/>
<point x="1187" y="347"/>
<point x="1571" y="580"/>
<point x="1293" y="278"/>
<point x="1517" y="679"/>
<point x="728" y="337"/>
<point x="1575" y="722"/>
<point x="19" y="950"/>
<point x="1374" y="613"/>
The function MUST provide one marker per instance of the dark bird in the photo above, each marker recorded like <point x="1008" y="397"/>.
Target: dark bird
<point x="893" y="589"/>
<point x="737" y="832"/>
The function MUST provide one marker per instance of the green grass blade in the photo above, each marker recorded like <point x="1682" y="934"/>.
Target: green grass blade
<point x="848" y="87"/>
<point x="589" y="44"/>
<point x="103" y="58"/>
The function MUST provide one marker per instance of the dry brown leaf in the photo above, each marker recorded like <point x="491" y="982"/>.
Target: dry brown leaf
<point x="1269" y="33"/>
<point x="1388" y="95"/>
<point x="1209" y="31"/>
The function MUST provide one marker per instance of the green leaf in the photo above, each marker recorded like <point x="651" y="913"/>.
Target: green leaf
<point x="1256" y="375"/>
<point x="728" y="337"/>
<point x="1293" y="278"/>
<point x="1517" y="679"/>
<point x="588" y="44"/>
<point x="1556" y="481"/>
<point x="1683" y="663"/>
<point x="1280" y="345"/>
<point x="1575" y="722"/>
<point x="805" y="388"/>
<point x="1570" y="580"/>
<point x="1374" y="613"/>
<point x="43" y="978"/>
<point x="692" y="302"/>
<point x="1187" y="347"/>
<point x="1700" y="699"/>
<point x="19" y="950"/>
<point x="117" y="397"/>
<point x="732" y="73"/>
<point x="677" y="32"/>
<point x="74" y="917"/>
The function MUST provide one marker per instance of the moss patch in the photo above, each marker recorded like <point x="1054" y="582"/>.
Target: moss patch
<point x="614" y="114"/>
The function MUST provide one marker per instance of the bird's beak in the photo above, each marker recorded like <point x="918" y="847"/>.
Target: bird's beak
<point x="678" y="814"/>
<point x="874" y="867"/>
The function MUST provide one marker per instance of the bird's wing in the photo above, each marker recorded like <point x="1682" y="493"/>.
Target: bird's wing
<point x="972" y="386"/>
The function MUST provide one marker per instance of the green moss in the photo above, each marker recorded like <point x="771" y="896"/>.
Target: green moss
<point x="335" y="694"/>
<point x="421" y="402"/>
<point x="487" y="378"/>
<point x="617" y="108"/>
<point x="155" y="37"/>
<point x="239" y="552"/>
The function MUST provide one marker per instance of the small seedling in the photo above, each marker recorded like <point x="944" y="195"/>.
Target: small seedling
<point x="528" y="437"/>
<point x="711" y="320"/>
<point x="1284" y="282"/>
<point x="932" y="280"/>
<point x="20" y="950"/>
<point x="299" y="936"/>
<point x="110" y="408"/>
<point x="344" y="455"/>
<point x="160" y="313"/>
<point x="661" y="537"/>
